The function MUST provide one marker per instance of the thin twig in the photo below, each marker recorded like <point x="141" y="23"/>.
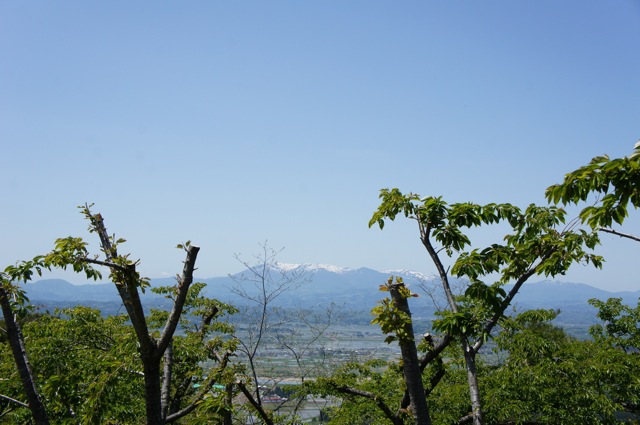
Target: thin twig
<point x="622" y="235"/>
<point x="13" y="400"/>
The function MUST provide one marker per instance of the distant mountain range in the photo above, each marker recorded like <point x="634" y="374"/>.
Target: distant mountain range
<point x="356" y="290"/>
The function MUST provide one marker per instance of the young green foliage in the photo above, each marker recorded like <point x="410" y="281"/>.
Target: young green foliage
<point x="167" y="362"/>
<point x="539" y="243"/>
<point x="615" y="182"/>
<point x="546" y="376"/>
<point x="392" y="320"/>
<point x="621" y="324"/>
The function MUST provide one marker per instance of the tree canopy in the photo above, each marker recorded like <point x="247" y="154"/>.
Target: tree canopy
<point x="615" y="183"/>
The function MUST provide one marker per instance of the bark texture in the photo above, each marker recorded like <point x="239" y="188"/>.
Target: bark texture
<point x="16" y="341"/>
<point x="152" y="351"/>
<point x="411" y="364"/>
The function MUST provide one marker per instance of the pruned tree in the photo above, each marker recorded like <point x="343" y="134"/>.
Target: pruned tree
<point x="394" y="317"/>
<point x="129" y="283"/>
<point x="155" y="340"/>
<point x="539" y="243"/>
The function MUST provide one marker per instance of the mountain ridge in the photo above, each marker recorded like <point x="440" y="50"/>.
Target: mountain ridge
<point x="355" y="291"/>
<point x="327" y="282"/>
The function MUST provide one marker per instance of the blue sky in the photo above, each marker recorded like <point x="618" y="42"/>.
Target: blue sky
<point x="232" y="123"/>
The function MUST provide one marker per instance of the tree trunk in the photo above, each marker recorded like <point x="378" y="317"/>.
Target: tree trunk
<point x="153" y="392"/>
<point x="166" y="379"/>
<point x="472" y="378"/>
<point x="411" y="365"/>
<point x="227" y="418"/>
<point x="16" y="341"/>
<point x="151" y="350"/>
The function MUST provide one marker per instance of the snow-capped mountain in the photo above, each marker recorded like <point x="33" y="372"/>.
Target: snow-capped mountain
<point x="314" y="268"/>
<point x="411" y="274"/>
<point x="321" y="284"/>
<point x="307" y="267"/>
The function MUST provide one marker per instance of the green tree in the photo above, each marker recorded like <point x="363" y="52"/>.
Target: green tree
<point x="14" y="304"/>
<point x="620" y="330"/>
<point x="154" y="336"/>
<point x="369" y="392"/>
<point x="610" y="187"/>
<point x="539" y="244"/>
<point x="615" y="183"/>
<point x="620" y="327"/>
<point x="12" y="300"/>
<point x="548" y="377"/>
<point x="83" y="364"/>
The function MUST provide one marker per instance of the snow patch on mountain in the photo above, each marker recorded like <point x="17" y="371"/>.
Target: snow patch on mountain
<point x="312" y="268"/>
<point x="288" y="267"/>
<point x="559" y="283"/>
<point x="410" y="273"/>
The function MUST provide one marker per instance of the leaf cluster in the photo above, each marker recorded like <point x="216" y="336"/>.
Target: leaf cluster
<point x="392" y="320"/>
<point x="620" y="325"/>
<point x="536" y="244"/>
<point x="616" y="182"/>
<point x="550" y="377"/>
<point x="535" y="235"/>
<point x="445" y="222"/>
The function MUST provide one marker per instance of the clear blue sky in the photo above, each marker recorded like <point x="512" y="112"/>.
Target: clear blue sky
<point x="231" y="123"/>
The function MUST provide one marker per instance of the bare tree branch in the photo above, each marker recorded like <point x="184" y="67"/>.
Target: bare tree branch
<point x="258" y="407"/>
<point x="442" y="272"/>
<point x="109" y="264"/>
<point x="507" y="301"/>
<point x="261" y="284"/>
<point x="395" y="419"/>
<point x="183" y="288"/>
<point x="127" y="289"/>
<point x="622" y="235"/>
<point x="13" y="400"/>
